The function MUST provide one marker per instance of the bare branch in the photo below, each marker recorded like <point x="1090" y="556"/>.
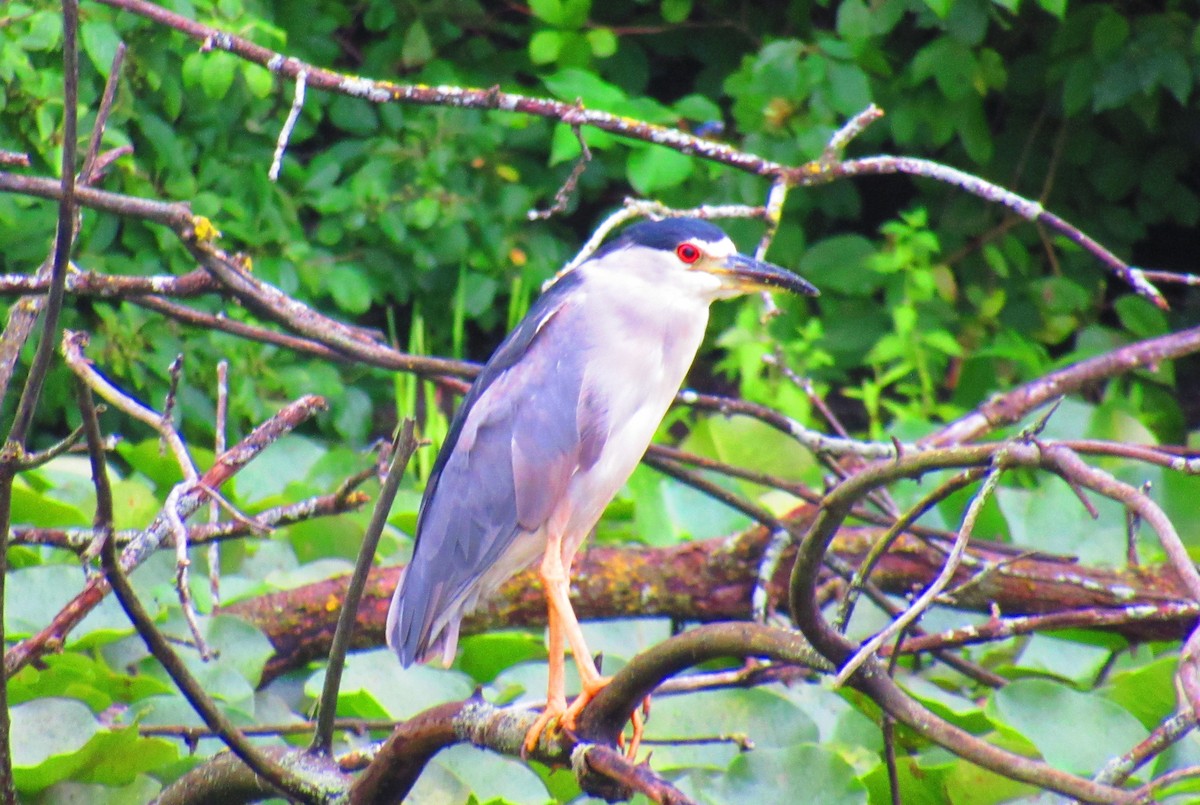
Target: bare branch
<point x="403" y="446"/>
<point x="286" y="132"/>
<point x="225" y="466"/>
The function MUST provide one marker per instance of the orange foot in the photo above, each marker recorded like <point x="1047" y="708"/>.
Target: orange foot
<point x="554" y="710"/>
<point x="566" y="717"/>
<point x="637" y="721"/>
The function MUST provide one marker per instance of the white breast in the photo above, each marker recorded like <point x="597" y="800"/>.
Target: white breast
<point x="640" y="367"/>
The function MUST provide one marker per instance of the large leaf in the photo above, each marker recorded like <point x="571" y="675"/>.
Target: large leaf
<point x="1025" y="707"/>
<point x="53" y="739"/>
<point x="769" y="777"/>
<point x="375" y="686"/>
<point x="763" y="716"/>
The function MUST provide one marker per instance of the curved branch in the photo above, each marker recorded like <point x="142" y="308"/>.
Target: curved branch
<point x="606" y="715"/>
<point x="224" y="778"/>
<point x="872" y="678"/>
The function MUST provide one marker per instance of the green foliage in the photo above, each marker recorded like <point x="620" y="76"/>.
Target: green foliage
<point x="413" y="221"/>
<point x="382" y="211"/>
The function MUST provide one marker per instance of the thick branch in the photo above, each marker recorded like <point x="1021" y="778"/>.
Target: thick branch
<point x="712" y="580"/>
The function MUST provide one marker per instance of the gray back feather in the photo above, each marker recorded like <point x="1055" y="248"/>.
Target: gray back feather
<point x="512" y="448"/>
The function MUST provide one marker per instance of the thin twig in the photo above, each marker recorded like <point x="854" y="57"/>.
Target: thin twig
<point x="925" y="599"/>
<point x="563" y="196"/>
<point x="1164" y="736"/>
<point x="147" y="541"/>
<point x="214" y="508"/>
<point x="73" y="344"/>
<point x="15" y="444"/>
<point x="285" y="133"/>
<point x="881" y="545"/>
<point x="403" y="446"/>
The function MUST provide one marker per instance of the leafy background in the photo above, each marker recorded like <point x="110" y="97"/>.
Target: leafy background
<point x="413" y="221"/>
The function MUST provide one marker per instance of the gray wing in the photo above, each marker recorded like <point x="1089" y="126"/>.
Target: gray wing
<point x="512" y="448"/>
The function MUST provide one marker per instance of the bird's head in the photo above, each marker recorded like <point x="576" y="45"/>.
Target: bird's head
<point x="694" y="254"/>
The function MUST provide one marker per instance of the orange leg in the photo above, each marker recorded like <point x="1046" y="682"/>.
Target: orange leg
<point x="591" y="682"/>
<point x="556" y="696"/>
<point x="564" y="629"/>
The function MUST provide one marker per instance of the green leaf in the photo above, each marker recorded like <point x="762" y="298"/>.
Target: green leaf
<point x="35" y="594"/>
<point x="940" y="7"/>
<point x="575" y="13"/>
<point x="851" y="92"/>
<point x="375" y="686"/>
<point x="544" y="46"/>
<point x="216" y="76"/>
<point x="99" y="40"/>
<point x="494" y="778"/>
<point x="854" y="21"/>
<point x="45" y="32"/>
<point x="285" y="461"/>
<point x="571" y="84"/>
<point x="241" y="646"/>
<point x="143" y="789"/>
<point x="417" y="48"/>
<point x="746" y="442"/>
<point x="350" y="288"/>
<point x="1022" y="707"/>
<point x="652" y="169"/>
<point x="1140" y="317"/>
<point x="354" y="115"/>
<point x="1110" y="33"/>
<point x="603" y="42"/>
<point x="1148" y="692"/>
<point x="43" y="509"/>
<point x="958" y="710"/>
<point x="1056" y="7"/>
<point x="768" y="777"/>
<point x="48" y="738"/>
<point x="839" y="263"/>
<point x="951" y="65"/>
<point x="764" y="716"/>
<point x="483" y="656"/>
<point x="697" y="108"/>
<point x="548" y="11"/>
<point x="1070" y="660"/>
<point x="666" y="511"/>
<point x="118" y="757"/>
<point x="258" y="80"/>
<point x="676" y="11"/>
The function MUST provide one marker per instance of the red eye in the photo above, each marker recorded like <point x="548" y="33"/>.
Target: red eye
<point x="687" y="252"/>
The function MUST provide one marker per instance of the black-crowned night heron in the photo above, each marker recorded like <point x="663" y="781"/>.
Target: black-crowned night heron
<point x="553" y="426"/>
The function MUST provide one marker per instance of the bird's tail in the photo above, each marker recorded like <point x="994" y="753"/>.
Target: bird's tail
<point x="411" y="629"/>
<point x="407" y="631"/>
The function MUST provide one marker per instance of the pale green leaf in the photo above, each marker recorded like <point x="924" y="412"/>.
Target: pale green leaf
<point x="652" y="169"/>
<point x="48" y="737"/>
<point x="548" y="11"/>
<point x="768" y="777"/>
<point x="99" y="40"/>
<point x="1026" y="707"/>
<point x="603" y="42"/>
<point x="544" y="46"/>
<point x="940" y="7"/>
